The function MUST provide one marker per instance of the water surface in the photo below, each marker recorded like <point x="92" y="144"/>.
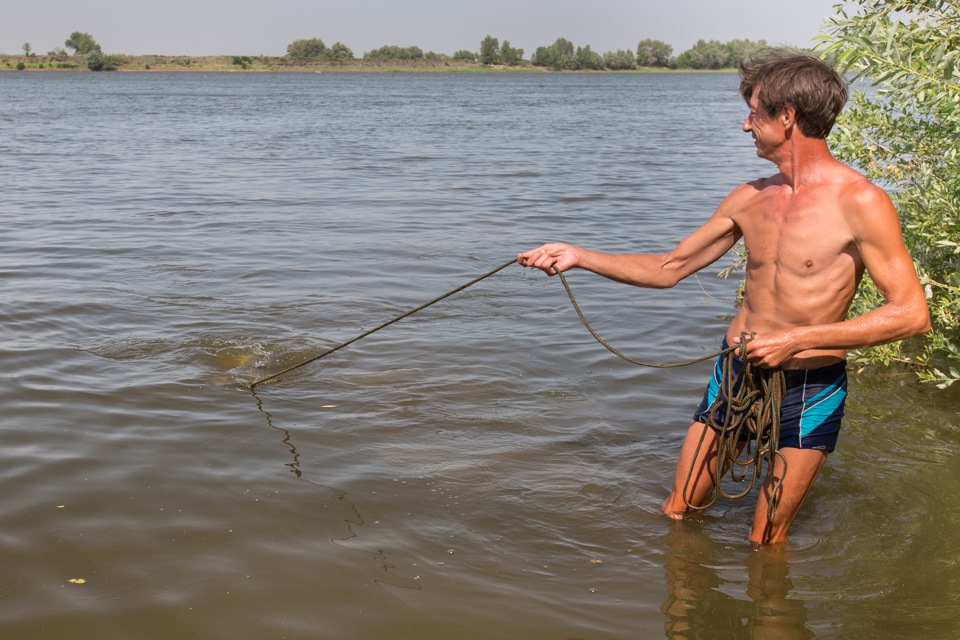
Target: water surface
<point x="482" y="469"/>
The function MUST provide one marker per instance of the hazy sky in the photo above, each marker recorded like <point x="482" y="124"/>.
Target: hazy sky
<point x="266" y="27"/>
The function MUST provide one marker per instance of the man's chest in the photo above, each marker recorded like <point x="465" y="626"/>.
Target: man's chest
<point x="803" y="238"/>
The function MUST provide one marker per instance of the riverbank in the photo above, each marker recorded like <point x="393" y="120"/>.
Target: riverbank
<point x="248" y="63"/>
<point x="230" y="64"/>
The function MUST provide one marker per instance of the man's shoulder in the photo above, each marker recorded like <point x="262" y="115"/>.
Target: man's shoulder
<point x="776" y="180"/>
<point x="745" y="197"/>
<point x="866" y="206"/>
<point x="750" y="193"/>
<point x="755" y="188"/>
<point x="857" y="193"/>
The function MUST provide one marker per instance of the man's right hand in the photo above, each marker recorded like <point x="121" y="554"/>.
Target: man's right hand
<point x="549" y="256"/>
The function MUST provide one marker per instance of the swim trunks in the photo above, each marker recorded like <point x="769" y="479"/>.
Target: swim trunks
<point x="812" y="404"/>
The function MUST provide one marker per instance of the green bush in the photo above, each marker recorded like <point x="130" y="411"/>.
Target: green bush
<point x="905" y="138"/>
<point x="393" y="52"/>
<point x="306" y="49"/>
<point x="98" y="61"/>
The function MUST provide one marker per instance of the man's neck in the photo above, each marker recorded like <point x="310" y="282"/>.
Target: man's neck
<point x="804" y="161"/>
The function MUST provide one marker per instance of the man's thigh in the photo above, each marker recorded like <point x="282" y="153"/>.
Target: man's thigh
<point x="802" y="469"/>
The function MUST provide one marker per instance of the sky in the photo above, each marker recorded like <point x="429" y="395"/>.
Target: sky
<point x="266" y="27"/>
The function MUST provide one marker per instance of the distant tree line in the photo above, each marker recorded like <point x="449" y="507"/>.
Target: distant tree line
<point x="713" y="54"/>
<point x="492" y="52"/>
<point x="561" y="55"/>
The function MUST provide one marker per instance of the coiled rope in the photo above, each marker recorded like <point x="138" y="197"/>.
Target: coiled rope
<point x="749" y="403"/>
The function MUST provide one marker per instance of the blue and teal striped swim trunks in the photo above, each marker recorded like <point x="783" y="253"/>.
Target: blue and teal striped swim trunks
<point x="812" y="405"/>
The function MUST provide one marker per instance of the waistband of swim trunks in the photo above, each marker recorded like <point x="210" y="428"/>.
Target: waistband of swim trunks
<point x="837" y="367"/>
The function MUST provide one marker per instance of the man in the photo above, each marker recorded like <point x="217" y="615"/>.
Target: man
<point x="810" y="231"/>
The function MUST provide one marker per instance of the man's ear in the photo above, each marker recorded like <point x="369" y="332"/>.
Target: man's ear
<point x="787" y="116"/>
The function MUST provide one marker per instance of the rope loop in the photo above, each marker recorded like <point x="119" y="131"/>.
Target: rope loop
<point x="642" y="363"/>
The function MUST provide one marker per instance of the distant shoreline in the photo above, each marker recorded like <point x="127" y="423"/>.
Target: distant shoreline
<point x="255" y="64"/>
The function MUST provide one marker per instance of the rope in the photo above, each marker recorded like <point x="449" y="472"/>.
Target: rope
<point x="750" y="404"/>
<point x="385" y="324"/>
<point x="746" y="417"/>
<point x="670" y="365"/>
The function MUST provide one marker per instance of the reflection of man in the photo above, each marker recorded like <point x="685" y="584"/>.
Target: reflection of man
<point x="698" y="604"/>
<point x="810" y="231"/>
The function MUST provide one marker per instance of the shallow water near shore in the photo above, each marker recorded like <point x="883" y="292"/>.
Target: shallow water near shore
<point x="481" y="469"/>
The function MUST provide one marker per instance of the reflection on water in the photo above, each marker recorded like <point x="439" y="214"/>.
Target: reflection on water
<point x="702" y="604"/>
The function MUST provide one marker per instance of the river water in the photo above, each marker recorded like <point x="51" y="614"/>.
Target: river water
<point x="481" y="469"/>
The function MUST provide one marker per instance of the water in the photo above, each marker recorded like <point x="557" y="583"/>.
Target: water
<point x="482" y="469"/>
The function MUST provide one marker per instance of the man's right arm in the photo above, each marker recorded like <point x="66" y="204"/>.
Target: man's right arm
<point x="701" y="248"/>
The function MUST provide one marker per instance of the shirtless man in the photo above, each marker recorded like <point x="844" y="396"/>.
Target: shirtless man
<point x="810" y="232"/>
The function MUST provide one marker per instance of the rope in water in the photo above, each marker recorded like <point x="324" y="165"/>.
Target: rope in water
<point x="750" y="401"/>
<point x="385" y="324"/>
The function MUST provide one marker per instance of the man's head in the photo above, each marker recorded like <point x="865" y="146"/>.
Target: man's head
<point x="816" y="92"/>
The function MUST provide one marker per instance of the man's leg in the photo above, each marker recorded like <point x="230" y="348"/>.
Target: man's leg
<point x="803" y="467"/>
<point x="699" y="452"/>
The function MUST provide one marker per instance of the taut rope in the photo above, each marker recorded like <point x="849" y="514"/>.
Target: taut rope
<point x="385" y="324"/>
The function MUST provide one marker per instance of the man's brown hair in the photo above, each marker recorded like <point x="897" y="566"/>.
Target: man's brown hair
<point x="815" y="91"/>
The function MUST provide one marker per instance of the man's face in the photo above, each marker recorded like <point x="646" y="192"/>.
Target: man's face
<point x="762" y="126"/>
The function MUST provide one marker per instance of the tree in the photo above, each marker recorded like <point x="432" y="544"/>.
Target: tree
<point x="489" y="50"/>
<point x="654" y="53"/>
<point x="619" y="60"/>
<point x="464" y="55"/>
<point x="81" y="43"/>
<point x="713" y="54"/>
<point x="393" y="52"/>
<point x="558" y="56"/>
<point x="339" y="52"/>
<point x="27" y="50"/>
<point x="587" y="58"/>
<point x="510" y="56"/>
<point x="704" y="55"/>
<point x="306" y="49"/>
<point x="97" y="61"/>
<point x="739" y="50"/>
<point x="905" y="138"/>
